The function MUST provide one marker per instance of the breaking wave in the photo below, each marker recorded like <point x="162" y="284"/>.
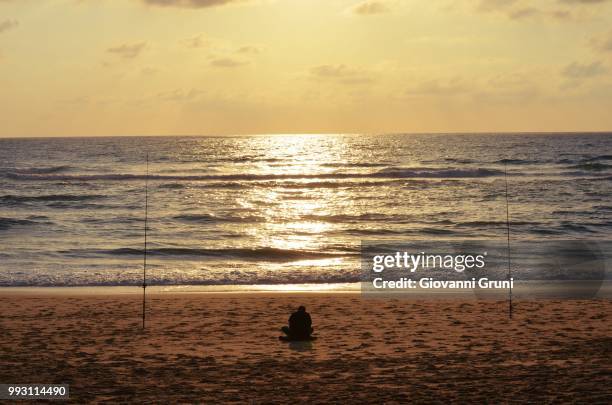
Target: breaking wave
<point x="389" y="172"/>
<point x="265" y="254"/>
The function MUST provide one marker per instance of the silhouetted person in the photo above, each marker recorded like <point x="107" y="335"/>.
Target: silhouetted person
<point x="300" y="325"/>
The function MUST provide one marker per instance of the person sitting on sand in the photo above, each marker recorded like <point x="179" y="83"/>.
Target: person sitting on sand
<point x="300" y="325"/>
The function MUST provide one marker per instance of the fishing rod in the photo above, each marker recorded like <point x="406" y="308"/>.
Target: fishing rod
<point x="508" y="237"/>
<point x="144" y="265"/>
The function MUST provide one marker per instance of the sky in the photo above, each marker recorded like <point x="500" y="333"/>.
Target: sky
<point x="227" y="67"/>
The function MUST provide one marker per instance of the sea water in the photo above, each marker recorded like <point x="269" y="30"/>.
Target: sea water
<point x="282" y="209"/>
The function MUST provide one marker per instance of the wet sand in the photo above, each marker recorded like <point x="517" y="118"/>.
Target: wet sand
<point x="224" y="347"/>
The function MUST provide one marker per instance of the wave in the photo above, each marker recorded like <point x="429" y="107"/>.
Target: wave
<point x="405" y="219"/>
<point x="134" y="279"/>
<point x="267" y="254"/>
<point x="53" y="198"/>
<point x="436" y="231"/>
<point x="354" y="164"/>
<point x="460" y="161"/>
<point x="370" y="232"/>
<point x="288" y="184"/>
<point x="394" y="232"/>
<point x="516" y="161"/>
<point x="39" y="170"/>
<point x="547" y="231"/>
<point x="7" y="223"/>
<point x="345" y="218"/>
<point x="241" y="159"/>
<point x="408" y="219"/>
<point x="577" y="228"/>
<point x="581" y="160"/>
<point x="443" y="173"/>
<point x="478" y="224"/>
<point x="172" y="186"/>
<point x="592" y="166"/>
<point x="389" y="172"/>
<point x="599" y="158"/>
<point x="207" y="218"/>
<point x="228" y="185"/>
<point x="601" y="224"/>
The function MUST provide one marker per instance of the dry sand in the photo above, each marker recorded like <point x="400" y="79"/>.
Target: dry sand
<point x="224" y="347"/>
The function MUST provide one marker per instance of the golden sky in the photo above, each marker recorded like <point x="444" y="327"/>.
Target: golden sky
<point x="206" y="67"/>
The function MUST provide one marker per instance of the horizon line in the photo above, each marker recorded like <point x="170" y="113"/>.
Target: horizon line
<point x="605" y="132"/>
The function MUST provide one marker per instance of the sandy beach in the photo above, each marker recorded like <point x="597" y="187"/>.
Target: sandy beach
<point x="220" y="346"/>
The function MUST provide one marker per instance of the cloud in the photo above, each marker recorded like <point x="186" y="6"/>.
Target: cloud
<point x="370" y="7"/>
<point x="514" y="88"/>
<point x="218" y="47"/>
<point x="7" y="25"/>
<point x="148" y="71"/>
<point x="576" y="70"/>
<point x="603" y="42"/>
<point x="532" y="12"/>
<point x="228" y="62"/>
<point x="522" y="10"/>
<point x="494" y="5"/>
<point x="180" y="95"/>
<point x="555" y="10"/>
<point x="128" y="51"/>
<point x="524" y="13"/>
<point x="189" y="3"/>
<point x="199" y="41"/>
<point x="222" y="53"/>
<point x="437" y="87"/>
<point x="340" y="73"/>
<point x="501" y="88"/>
<point x="248" y="50"/>
<point x="583" y="1"/>
<point x="560" y="14"/>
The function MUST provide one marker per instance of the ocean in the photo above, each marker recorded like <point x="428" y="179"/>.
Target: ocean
<point x="282" y="209"/>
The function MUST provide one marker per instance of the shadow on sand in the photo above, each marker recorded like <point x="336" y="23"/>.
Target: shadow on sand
<point x="301" y="346"/>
